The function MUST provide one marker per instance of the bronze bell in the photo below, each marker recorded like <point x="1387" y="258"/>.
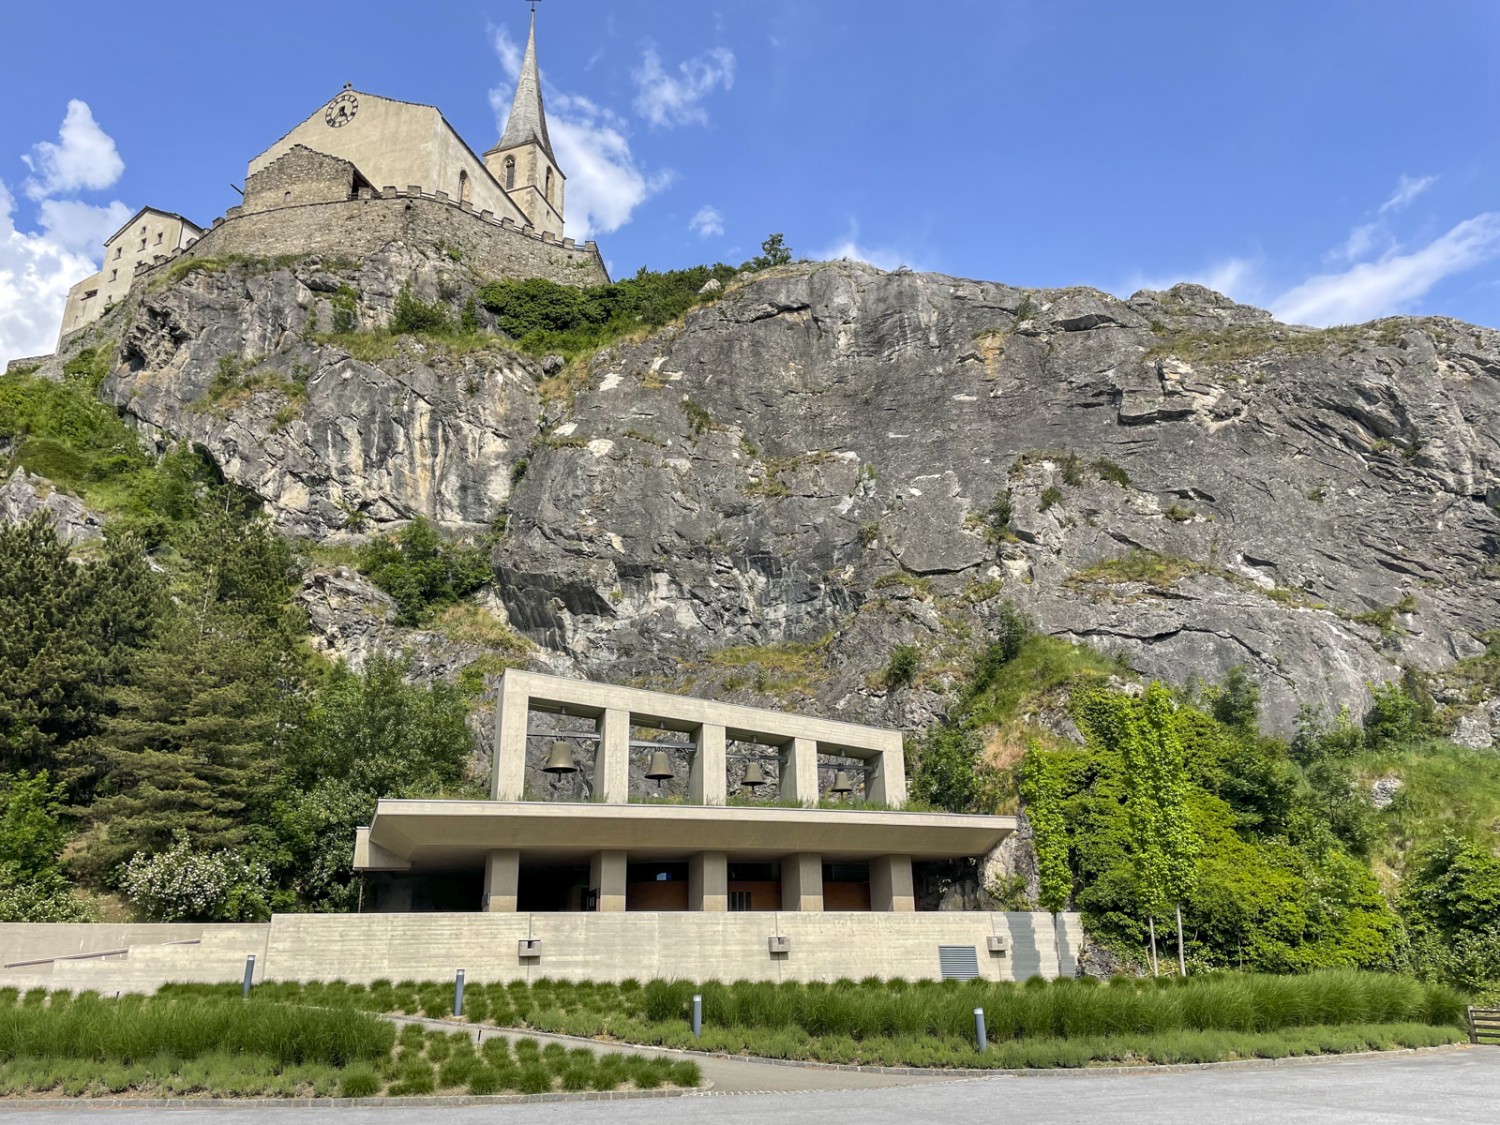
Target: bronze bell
<point x="754" y="777"/>
<point x="841" y="783"/>
<point x="660" y="768"/>
<point x="561" y="759"/>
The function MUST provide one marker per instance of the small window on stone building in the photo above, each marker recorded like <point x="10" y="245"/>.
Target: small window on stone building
<point x="118" y="251"/>
<point x="463" y="187"/>
<point x="143" y="244"/>
<point x="158" y="238"/>
<point x="549" y="185"/>
<point x="114" y="274"/>
<point x="286" y="197"/>
<point x="510" y="172"/>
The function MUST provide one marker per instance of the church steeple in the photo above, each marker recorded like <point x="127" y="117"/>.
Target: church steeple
<point x="528" y="118"/>
<point x="523" y="162"/>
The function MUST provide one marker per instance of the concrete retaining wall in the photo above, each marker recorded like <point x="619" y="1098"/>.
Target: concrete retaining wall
<point x="691" y="946"/>
<point x="601" y="947"/>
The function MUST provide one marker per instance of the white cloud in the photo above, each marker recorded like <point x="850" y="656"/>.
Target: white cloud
<point x="708" y="222"/>
<point x="605" y="184"/>
<point x="1391" y="283"/>
<point x="81" y="226"/>
<point x="1237" y="278"/>
<point x="666" y="100"/>
<point x="35" y="275"/>
<point x="84" y="158"/>
<point x="1407" y="189"/>
<point x="850" y="247"/>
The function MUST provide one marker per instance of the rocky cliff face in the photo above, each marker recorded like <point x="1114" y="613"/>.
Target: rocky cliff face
<point x="826" y="455"/>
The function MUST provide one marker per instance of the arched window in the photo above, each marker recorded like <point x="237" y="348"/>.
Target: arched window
<point x="510" y="173"/>
<point x="463" y="187"/>
<point x="286" y="197"/>
<point x="548" y="192"/>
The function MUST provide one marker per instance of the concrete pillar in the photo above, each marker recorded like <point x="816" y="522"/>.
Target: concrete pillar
<point x="886" y="783"/>
<point x="508" y="767"/>
<point x="799" y="771"/>
<point x="502" y="879"/>
<point x="612" y="763"/>
<point x="802" y="882"/>
<point x="891" y="883"/>
<point x="607" y="877"/>
<point x="708" y="783"/>
<point x="708" y="881"/>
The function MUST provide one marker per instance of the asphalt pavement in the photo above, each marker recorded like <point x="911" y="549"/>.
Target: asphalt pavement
<point x="1449" y="1088"/>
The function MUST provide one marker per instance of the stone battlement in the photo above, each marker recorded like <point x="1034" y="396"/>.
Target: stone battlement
<point x="373" y="218"/>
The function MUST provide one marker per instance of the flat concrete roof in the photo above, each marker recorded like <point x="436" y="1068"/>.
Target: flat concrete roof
<point x="435" y="835"/>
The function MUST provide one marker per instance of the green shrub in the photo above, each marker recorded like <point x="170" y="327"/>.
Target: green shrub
<point x="424" y="571"/>
<point x="902" y="667"/>
<point x="359" y="1082"/>
<point x="412" y="315"/>
<point x="1050" y="495"/>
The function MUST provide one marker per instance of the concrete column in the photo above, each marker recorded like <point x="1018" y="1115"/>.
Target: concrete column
<point x="508" y="766"/>
<point x="802" y="882"/>
<point x="502" y="879"/>
<point x="886" y="783"/>
<point x="607" y="876"/>
<point x="708" y="881"/>
<point x="891" y="883"/>
<point x="612" y="763"/>
<point x="708" y="783"/>
<point x="799" y="771"/>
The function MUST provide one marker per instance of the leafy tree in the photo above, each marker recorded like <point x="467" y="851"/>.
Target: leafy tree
<point x="773" y="252"/>
<point x="365" y="736"/>
<point x="1041" y="792"/>
<point x="1451" y="898"/>
<point x="423" y="571"/>
<point x="1143" y="732"/>
<point x="32" y="887"/>
<point x="1236" y="702"/>
<point x="950" y="773"/>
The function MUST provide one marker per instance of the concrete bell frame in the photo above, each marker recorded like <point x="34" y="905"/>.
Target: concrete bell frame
<point x="798" y="739"/>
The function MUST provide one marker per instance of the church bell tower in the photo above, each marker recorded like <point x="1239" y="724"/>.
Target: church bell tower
<point x="522" y="163"/>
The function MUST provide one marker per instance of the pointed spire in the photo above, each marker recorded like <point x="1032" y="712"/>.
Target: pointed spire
<point x="527" y="122"/>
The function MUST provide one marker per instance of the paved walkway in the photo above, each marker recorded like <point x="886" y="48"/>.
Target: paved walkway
<point x="729" y="1076"/>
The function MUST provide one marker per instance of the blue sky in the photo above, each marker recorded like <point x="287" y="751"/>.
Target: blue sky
<point x="1334" y="161"/>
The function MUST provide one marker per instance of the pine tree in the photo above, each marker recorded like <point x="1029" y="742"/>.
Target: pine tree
<point x="68" y="632"/>
<point x="195" y="734"/>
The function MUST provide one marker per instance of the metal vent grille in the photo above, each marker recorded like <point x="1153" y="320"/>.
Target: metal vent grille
<point x="958" y="962"/>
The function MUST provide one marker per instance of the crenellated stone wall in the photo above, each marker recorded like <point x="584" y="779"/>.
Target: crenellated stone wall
<point x="359" y="227"/>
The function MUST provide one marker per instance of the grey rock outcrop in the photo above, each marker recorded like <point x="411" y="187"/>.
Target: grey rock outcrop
<point x="817" y="457"/>
<point x="24" y="494"/>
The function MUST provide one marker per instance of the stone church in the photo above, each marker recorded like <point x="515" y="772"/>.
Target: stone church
<point x="365" y="168"/>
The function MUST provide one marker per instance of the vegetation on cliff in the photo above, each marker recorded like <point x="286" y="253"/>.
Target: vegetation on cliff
<point x="1292" y="866"/>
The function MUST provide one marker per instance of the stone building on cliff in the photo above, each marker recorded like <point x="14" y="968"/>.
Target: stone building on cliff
<point x="362" y="171"/>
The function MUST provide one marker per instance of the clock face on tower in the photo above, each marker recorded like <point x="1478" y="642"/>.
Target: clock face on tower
<point x="341" y="110"/>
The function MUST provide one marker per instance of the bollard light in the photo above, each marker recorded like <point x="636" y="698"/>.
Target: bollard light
<point x="697" y="1017"/>
<point x="979" y="1035"/>
<point x="249" y="976"/>
<point x="458" y="994"/>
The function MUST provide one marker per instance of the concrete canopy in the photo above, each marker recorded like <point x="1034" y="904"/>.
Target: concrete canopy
<point x="434" y="835"/>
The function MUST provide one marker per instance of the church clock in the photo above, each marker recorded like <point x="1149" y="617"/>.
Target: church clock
<point x="341" y="110"/>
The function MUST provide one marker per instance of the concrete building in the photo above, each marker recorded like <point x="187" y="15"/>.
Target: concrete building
<point x="830" y="833"/>
<point x="149" y="234"/>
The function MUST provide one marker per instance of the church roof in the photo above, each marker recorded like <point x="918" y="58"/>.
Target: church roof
<point x="527" y="123"/>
